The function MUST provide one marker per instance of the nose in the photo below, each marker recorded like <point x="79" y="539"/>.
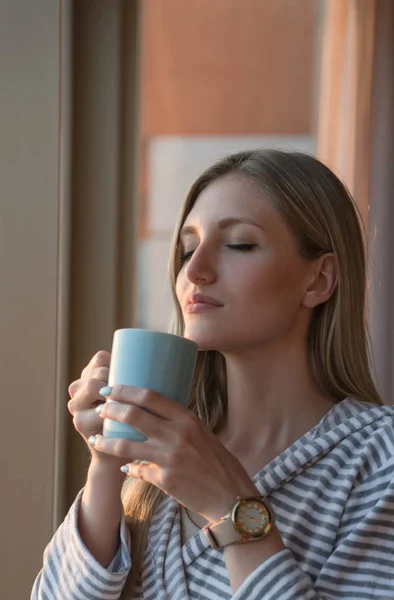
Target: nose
<point x="200" y="267"/>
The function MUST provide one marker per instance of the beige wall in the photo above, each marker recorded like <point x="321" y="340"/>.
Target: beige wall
<point x="31" y="274"/>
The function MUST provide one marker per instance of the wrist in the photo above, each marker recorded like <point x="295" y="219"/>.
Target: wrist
<point x="227" y="504"/>
<point x="101" y="511"/>
<point x="110" y="472"/>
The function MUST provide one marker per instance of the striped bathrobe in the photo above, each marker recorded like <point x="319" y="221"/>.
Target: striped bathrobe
<point x="333" y="494"/>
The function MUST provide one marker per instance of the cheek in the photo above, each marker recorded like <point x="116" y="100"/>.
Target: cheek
<point x="270" y="287"/>
<point x="256" y="280"/>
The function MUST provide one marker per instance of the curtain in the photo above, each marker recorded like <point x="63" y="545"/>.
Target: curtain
<point x="356" y="139"/>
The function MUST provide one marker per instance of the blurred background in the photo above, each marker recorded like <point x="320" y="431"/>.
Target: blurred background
<point x="108" y="110"/>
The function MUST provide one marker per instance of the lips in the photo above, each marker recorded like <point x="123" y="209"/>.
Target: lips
<point x="202" y="299"/>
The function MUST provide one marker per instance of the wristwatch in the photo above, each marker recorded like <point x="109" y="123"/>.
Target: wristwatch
<point x="250" y="519"/>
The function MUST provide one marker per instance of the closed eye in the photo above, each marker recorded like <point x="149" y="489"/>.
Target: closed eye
<point x="244" y="247"/>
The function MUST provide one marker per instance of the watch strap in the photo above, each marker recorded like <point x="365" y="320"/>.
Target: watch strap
<point x="222" y="533"/>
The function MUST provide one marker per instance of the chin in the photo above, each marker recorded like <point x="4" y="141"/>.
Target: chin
<point x="206" y="340"/>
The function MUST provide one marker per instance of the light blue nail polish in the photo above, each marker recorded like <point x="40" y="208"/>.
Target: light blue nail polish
<point x="92" y="440"/>
<point x="105" y="391"/>
<point x="99" y="408"/>
<point x="124" y="469"/>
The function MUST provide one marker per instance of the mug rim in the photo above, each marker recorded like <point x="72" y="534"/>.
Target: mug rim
<point x="151" y="332"/>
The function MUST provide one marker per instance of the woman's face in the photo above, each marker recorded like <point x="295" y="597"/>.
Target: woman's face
<point x="260" y="285"/>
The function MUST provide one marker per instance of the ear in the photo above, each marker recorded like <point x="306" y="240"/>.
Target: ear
<point x="323" y="280"/>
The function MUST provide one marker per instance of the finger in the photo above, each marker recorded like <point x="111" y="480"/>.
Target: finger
<point x="151" y="473"/>
<point x="87" y="422"/>
<point x="150" y="400"/>
<point x="74" y="387"/>
<point x="149" y="424"/>
<point x="100" y="373"/>
<point x="123" y="448"/>
<point x="102" y="358"/>
<point x="87" y="395"/>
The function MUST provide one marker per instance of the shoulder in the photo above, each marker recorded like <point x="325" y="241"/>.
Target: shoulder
<point x="373" y="438"/>
<point x="372" y="417"/>
<point x="359" y="414"/>
<point x="361" y="434"/>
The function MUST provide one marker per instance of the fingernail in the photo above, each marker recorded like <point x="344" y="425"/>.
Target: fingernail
<point x="99" y="408"/>
<point x="124" y="469"/>
<point x="105" y="391"/>
<point x="92" y="440"/>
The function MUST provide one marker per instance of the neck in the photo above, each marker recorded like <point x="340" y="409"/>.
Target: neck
<point x="272" y="399"/>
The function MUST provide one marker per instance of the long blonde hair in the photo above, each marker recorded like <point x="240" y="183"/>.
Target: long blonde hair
<point x="323" y="218"/>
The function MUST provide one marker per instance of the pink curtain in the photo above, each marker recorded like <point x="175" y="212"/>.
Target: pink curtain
<point x="356" y="139"/>
<point x="381" y="201"/>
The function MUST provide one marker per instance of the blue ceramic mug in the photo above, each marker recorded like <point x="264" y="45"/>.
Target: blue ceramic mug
<point x="162" y="362"/>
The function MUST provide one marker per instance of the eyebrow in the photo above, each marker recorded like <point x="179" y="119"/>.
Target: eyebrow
<point x="222" y="224"/>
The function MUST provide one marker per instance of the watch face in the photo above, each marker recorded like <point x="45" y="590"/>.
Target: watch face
<point x="252" y="518"/>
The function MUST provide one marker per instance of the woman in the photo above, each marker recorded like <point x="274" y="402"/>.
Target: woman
<point x="268" y="275"/>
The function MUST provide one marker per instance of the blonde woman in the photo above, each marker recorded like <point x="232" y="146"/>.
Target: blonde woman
<point x="277" y="481"/>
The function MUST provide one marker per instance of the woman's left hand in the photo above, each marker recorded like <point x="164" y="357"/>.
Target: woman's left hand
<point x="186" y="460"/>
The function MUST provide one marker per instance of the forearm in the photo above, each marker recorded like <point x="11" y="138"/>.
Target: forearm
<point x="100" y="512"/>
<point x="242" y="559"/>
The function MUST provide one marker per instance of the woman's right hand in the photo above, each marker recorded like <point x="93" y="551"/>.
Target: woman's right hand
<point x="85" y="397"/>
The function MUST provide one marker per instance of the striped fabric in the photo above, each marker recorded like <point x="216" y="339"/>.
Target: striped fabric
<point x="333" y="493"/>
